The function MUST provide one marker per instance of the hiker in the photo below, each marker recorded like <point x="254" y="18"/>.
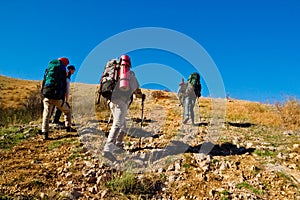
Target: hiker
<point x="192" y="92"/>
<point x="126" y="86"/>
<point x="71" y="70"/>
<point x="54" y="91"/>
<point x="181" y="92"/>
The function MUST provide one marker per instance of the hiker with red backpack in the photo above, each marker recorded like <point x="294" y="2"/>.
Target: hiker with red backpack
<point x="54" y="91"/>
<point x="192" y="92"/>
<point x="118" y="87"/>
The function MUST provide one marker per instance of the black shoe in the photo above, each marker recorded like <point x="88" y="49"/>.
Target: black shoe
<point x="46" y="135"/>
<point x="59" y="123"/>
<point x="70" y="129"/>
<point x="109" y="156"/>
<point x="185" y="120"/>
<point x="119" y="150"/>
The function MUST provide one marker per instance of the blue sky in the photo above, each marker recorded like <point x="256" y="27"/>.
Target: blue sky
<point x="255" y="44"/>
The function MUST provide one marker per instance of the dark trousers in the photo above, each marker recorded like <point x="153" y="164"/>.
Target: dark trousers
<point x="57" y="115"/>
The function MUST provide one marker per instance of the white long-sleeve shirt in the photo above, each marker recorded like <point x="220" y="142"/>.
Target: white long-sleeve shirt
<point x="68" y="88"/>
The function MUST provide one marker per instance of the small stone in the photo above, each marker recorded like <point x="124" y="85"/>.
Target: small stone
<point x="42" y="195"/>
<point x="66" y="194"/>
<point x="171" y="179"/>
<point x="288" y="133"/>
<point x="171" y="168"/>
<point x="177" y="166"/>
<point x="160" y="170"/>
<point x="249" y="145"/>
<point x="69" y="175"/>
<point x="103" y="194"/>
<point x="59" y="184"/>
<point x="281" y="156"/>
<point x="296" y="146"/>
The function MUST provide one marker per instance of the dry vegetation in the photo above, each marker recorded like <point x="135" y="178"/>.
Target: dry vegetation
<point x="20" y="101"/>
<point x="14" y="93"/>
<point x="255" y="157"/>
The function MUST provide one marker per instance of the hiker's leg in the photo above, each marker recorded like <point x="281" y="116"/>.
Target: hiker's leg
<point x="192" y="105"/>
<point x="46" y="114"/>
<point x="111" y="139"/>
<point x="57" y="115"/>
<point x="119" y="111"/>
<point x="124" y="108"/>
<point x="52" y="111"/>
<point x="182" y="104"/>
<point x="186" y="109"/>
<point x="66" y="110"/>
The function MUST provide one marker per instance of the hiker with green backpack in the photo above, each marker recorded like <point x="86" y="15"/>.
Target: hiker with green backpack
<point x="54" y="90"/>
<point x="70" y="70"/>
<point x="192" y="92"/>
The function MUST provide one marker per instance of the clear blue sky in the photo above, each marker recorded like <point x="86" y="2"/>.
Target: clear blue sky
<point x="254" y="43"/>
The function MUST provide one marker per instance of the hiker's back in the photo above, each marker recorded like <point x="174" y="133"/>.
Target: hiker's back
<point x="54" y="83"/>
<point x="194" y="85"/>
<point x="118" y="93"/>
<point x="181" y="92"/>
<point x="117" y="81"/>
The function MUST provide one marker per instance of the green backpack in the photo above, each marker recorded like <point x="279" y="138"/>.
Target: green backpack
<point x="54" y="83"/>
<point x="194" y="80"/>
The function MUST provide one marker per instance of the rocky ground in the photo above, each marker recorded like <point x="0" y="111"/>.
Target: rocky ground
<point x="163" y="159"/>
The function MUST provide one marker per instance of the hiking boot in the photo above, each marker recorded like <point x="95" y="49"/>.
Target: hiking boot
<point x="70" y="129"/>
<point x="58" y="125"/>
<point x="185" y="120"/>
<point x="109" y="156"/>
<point x="46" y="135"/>
<point x="119" y="148"/>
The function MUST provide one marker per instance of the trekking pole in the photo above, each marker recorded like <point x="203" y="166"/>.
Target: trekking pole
<point x="108" y="122"/>
<point x="142" y="117"/>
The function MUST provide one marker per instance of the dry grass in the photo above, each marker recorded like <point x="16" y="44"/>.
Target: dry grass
<point x="289" y="112"/>
<point x="16" y="95"/>
<point x="20" y="101"/>
<point x="257" y="113"/>
<point x="14" y="92"/>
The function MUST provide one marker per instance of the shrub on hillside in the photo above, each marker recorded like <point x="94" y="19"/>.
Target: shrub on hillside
<point x="289" y="112"/>
<point x="30" y="110"/>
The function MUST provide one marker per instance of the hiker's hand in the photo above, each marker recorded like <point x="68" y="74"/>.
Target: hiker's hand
<point x="138" y="93"/>
<point x="143" y="97"/>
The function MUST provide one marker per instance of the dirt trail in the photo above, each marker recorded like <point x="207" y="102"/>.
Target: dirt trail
<point x="239" y="166"/>
<point x="31" y="165"/>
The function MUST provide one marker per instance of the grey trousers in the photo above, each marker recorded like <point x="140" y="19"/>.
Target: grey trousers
<point x="48" y="107"/>
<point x="118" y="129"/>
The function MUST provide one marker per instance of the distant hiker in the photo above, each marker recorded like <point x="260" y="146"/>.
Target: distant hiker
<point x="54" y="91"/>
<point x="181" y="92"/>
<point x="192" y="92"/>
<point x="125" y="86"/>
<point x="71" y="70"/>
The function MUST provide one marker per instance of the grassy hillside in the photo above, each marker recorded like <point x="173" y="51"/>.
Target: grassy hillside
<point x="255" y="155"/>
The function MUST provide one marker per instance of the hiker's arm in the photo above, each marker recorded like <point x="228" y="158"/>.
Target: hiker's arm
<point x="134" y="83"/>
